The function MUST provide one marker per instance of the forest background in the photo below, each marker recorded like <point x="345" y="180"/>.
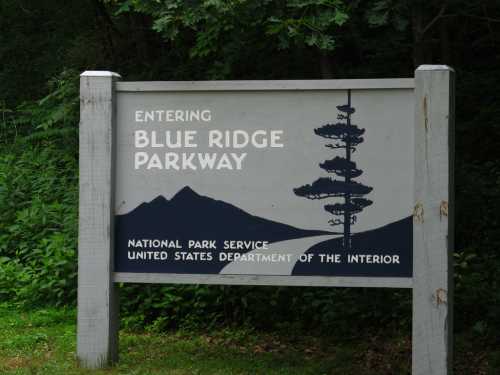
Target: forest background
<point x="44" y="45"/>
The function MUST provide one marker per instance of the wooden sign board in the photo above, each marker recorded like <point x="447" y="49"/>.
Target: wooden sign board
<point x="317" y="183"/>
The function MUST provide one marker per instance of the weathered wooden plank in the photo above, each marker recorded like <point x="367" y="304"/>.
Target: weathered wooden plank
<point x="166" y="278"/>
<point x="97" y="327"/>
<point x="433" y="221"/>
<point x="340" y="84"/>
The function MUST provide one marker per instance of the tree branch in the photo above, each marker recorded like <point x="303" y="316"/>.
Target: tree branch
<point x="484" y="18"/>
<point x="435" y="19"/>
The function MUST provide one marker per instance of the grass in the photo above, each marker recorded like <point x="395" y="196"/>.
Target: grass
<point x="43" y="342"/>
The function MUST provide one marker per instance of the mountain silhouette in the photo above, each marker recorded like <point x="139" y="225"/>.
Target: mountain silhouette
<point x="191" y="216"/>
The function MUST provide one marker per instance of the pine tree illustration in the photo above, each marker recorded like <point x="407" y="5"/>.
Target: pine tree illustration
<point x="345" y="136"/>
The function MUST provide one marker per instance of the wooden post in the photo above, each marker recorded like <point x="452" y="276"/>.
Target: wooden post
<point x="433" y="221"/>
<point x="97" y="328"/>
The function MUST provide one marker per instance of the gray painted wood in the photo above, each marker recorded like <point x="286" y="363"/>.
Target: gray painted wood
<point x="97" y="326"/>
<point x="433" y="222"/>
<point x="327" y="84"/>
<point x="168" y="278"/>
<point x="432" y="285"/>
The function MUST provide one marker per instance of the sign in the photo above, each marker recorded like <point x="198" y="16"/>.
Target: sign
<point x="326" y="183"/>
<point x="265" y="182"/>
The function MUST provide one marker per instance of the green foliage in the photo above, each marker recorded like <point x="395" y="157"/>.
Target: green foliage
<point x="38" y="226"/>
<point x="293" y="22"/>
<point x="38" y="198"/>
<point x="165" y="307"/>
<point x="389" y="12"/>
<point x="309" y="22"/>
<point x="54" y="118"/>
<point x="236" y="39"/>
<point x="223" y="33"/>
<point x="42" y="342"/>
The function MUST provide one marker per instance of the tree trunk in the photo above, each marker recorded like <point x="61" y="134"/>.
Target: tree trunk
<point x="325" y="65"/>
<point x="445" y="42"/>
<point x="347" y="212"/>
<point x="417" y="17"/>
